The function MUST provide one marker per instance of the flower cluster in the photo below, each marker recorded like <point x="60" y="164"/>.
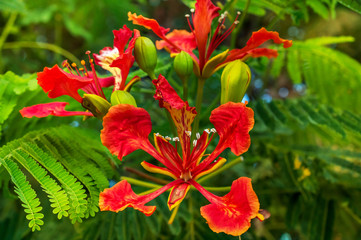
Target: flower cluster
<point x="126" y="127"/>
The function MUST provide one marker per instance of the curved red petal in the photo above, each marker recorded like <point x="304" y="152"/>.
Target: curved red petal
<point x="233" y="121"/>
<point x="56" y="83"/>
<point x="205" y="12"/>
<point x="124" y="62"/>
<point x="126" y="129"/>
<point x="255" y="41"/>
<point x="183" y="39"/>
<point x="148" y="23"/>
<point x="180" y="111"/>
<point x="177" y="194"/>
<point x="233" y="212"/>
<point x="121" y="38"/>
<point x="121" y="196"/>
<point x="54" y="109"/>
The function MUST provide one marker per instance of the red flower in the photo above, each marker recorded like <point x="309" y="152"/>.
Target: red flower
<point x="119" y="60"/>
<point x="56" y="82"/>
<point x="201" y="38"/>
<point x="126" y="129"/>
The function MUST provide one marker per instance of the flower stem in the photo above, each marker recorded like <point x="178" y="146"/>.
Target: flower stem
<point x="140" y="183"/>
<point x="218" y="189"/>
<point x="146" y="176"/>
<point x="5" y="33"/>
<point x="238" y="28"/>
<point x="47" y="46"/>
<point x="199" y="99"/>
<point x="185" y="88"/>
<point x="225" y="167"/>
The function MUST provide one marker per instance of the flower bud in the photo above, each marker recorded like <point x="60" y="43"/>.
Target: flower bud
<point x="98" y="106"/>
<point x="183" y="65"/>
<point x="122" y="97"/>
<point x="145" y="54"/>
<point x="235" y="79"/>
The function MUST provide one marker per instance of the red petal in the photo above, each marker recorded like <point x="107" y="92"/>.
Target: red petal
<point x="232" y="121"/>
<point x="56" y="83"/>
<point x="181" y="113"/>
<point x="121" y="38"/>
<point x="46" y="109"/>
<point x="255" y="41"/>
<point x="121" y="196"/>
<point x="205" y="12"/>
<point x="233" y="212"/>
<point x="177" y="195"/>
<point x="183" y="39"/>
<point x="148" y="23"/>
<point x="126" y="129"/>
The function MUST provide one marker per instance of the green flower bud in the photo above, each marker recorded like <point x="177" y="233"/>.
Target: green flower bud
<point x="122" y="97"/>
<point x="98" y="106"/>
<point x="235" y="79"/>
<point x="146" y="55"/>
<point x="183" y="65"/>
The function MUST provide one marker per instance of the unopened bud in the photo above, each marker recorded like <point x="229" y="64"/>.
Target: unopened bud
<point x="98" y="106"/>
<point x="235" y="79"/>
<point x="122" y="97"/>
<point x="145" y="54"/>
<point x="183" y="65"/>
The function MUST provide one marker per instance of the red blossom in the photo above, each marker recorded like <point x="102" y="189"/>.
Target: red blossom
<point x="126" y="128"/>
<point x="201" y="38"/>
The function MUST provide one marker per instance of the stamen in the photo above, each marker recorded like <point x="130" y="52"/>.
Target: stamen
<point x="194" y="143"/>
<point x="176" y="139"/>
<point x="207" y="131"/>
<point x="213" y="130"/>
<point x="187" y="15"/>
<point x="192" y="10"/>
<point x="189" y="133"/>
<point x="168" y="138"/>
<point x="157" y="134"/>
<point x="95" y="78"/>
<point x="198" y="135"/>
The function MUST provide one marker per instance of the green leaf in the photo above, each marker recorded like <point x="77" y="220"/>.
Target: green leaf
<point x="352" y="4"/>
<point x="12" y="6"/>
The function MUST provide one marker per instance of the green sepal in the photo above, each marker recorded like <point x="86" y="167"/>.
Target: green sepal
<point x="122" y="97"/>
<point x="98" y="106"/>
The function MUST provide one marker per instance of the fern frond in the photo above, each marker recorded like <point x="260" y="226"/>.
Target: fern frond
<point x="26" y="194"/>
<point x="64" y="168"/>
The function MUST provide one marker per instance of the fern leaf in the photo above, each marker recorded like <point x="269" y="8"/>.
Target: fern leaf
<point x="26" y="194"/>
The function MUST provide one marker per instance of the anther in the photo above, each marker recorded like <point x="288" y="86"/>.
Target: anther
<point x="189" y="133"/>
<point x="207" y="131"/>
<point x="65" y="63"/>
<point x="213" y="130"/>
<point x="198" y="135"/>
<point x="194" y="143"/>
<point x="176" y="139"/>
<point x="168" y="138"/>
<point x="73" y="65"/>
<point x="187" y="15"/>
<point x="157" y="134"/>
<point x="82" y="62"/>
<point x="192" y="10"/>
<point x="238" y="13"/>
<point x="236" y="22"/>
<point x="87" y="52"/>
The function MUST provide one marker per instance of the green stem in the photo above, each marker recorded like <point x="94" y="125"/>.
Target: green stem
<point x="199" y="99"/>
<point x="239" y="25"/>
<point x="146" y="176"/>
<point x="151" y="75"/>
<point x="47" y="46"/>
<point x="140" y="183"/>
<point x="218" y="189"/>
<point x="225" y="167"/>
<point x="185" y="88"/>
<point x="191" y="222"/>
<point x="5" y="33"/>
